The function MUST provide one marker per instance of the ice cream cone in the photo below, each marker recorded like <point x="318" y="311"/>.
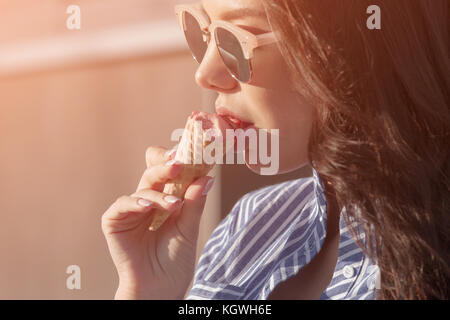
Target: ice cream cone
<point x="190" y="152"/>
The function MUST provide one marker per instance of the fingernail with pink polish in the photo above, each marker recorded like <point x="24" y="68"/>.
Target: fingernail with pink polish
<point x="172" y="162"/>
<point x="144" y="203"/>
<point x="170" y="154"/>
<point x="171" y="199"/>
<point x="208" y="187"/>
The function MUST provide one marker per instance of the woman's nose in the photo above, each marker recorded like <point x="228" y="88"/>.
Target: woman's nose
<point x="212" y="72"/>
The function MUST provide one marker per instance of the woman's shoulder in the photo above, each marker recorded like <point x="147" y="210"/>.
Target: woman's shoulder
<point x="268" y="232"/>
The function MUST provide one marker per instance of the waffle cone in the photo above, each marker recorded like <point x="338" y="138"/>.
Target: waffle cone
<point x="178" y="187"/>
<point x="190" y="150"/>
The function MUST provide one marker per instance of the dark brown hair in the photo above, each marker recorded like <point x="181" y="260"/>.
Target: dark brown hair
<point x="382" y="132"/>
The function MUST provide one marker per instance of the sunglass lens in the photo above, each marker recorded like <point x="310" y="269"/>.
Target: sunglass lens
<point x="232" y="54"/>
<point x="194" y="36"/>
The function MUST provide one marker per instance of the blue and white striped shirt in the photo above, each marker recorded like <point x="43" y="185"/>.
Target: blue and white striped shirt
<point x="269" y="235"/>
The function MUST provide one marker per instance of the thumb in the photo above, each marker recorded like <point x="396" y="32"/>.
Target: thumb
<point x="188" y="219"/>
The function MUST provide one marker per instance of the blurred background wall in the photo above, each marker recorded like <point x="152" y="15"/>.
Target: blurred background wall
<point x="78" y="108"/>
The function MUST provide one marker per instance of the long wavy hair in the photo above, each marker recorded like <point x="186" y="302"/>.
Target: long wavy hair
<point x="381" y="136"/>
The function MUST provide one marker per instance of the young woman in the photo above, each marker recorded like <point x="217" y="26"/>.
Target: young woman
<point x="367" y="109"/>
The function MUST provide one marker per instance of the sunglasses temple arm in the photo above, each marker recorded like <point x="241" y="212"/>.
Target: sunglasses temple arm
<point x="265" y="39"/>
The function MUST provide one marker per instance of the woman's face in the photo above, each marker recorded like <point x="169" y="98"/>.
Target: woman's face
<point x="268" y="101"/>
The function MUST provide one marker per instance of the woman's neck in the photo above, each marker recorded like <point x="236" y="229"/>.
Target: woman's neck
<point x="333" y="209"/>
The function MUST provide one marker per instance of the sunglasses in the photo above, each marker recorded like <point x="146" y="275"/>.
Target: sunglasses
<point x="235" y="45"/>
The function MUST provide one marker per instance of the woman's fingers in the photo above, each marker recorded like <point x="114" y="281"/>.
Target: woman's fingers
<point x="160" y="200"/>
<point x="157" y="156"/>
<point x="188" y="219"/>
<point x="156" y="176"/>
<point x="121" y="209"/>
<point x="140" y="202"/>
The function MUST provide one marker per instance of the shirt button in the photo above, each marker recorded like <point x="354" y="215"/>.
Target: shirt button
<point x="373" y="282"/>
<point x="348" y="272"/>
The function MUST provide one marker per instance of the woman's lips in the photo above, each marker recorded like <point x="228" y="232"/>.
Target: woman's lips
<point x="234" y="121"/>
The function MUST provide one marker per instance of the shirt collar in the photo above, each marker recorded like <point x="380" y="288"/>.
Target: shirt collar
<point x="318" y="185"/>
<point x="319" y="192"/>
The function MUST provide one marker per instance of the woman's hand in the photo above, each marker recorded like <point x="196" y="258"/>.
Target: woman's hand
<point x="155" y="264"/>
